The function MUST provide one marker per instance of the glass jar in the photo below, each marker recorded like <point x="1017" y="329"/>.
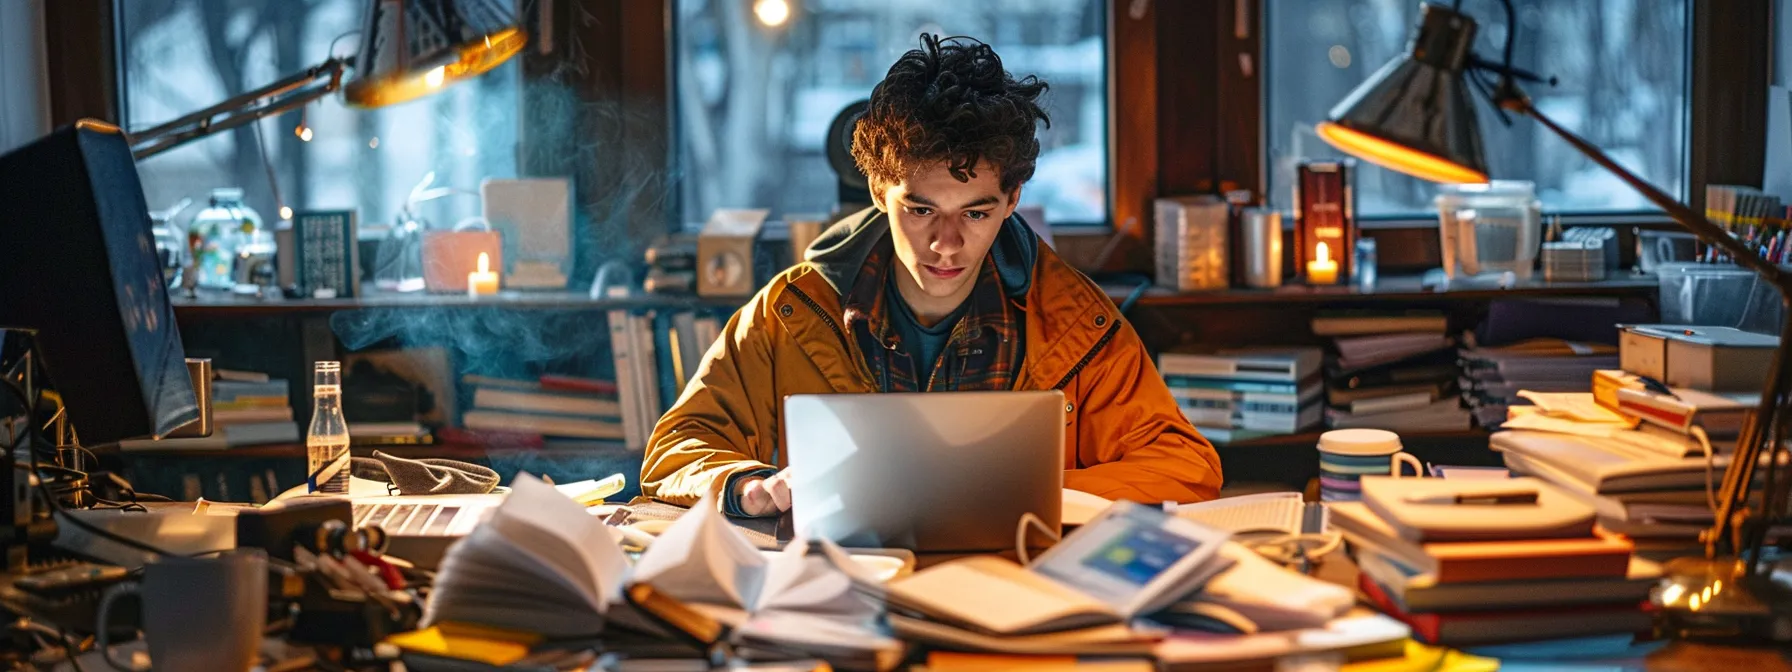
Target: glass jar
<point x="232" y="250"/>
<point x="1489" y="229"/>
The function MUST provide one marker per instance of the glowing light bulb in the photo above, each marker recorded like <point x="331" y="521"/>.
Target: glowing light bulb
<point x="304" y="133"/>
<point x="772" y="12"/>
<point x="435" y="77"/>
<point x="285" y="212"/>
<point x="373" y="143"/>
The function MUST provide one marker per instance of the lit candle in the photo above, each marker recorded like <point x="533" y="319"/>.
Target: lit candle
<point x="482" y="281"/>
<point x="1322" y="270"/>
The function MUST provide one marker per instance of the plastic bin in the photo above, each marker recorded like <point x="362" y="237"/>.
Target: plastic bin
<point x="1718" y="295"/>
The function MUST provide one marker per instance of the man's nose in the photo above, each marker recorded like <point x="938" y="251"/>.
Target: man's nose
<point x="947" y="239"/>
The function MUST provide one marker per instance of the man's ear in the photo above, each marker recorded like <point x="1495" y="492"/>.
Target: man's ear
<point x="1013" y="202"/>
<point x="877" y="199"/>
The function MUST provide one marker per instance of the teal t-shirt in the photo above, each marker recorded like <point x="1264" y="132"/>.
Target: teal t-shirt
<point x="923" y="344"/>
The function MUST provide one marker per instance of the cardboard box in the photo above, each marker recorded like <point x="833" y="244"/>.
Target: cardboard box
<point x="1713" y="359"/>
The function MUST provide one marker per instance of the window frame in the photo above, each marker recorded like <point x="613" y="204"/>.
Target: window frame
<point x="1567" y="217"/>
<point x="1729" y="39"/>
<point x="1073" y="229"/>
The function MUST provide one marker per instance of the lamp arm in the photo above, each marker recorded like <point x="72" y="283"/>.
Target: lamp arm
<point x="276" y="98"/>
<point x="1734" y="525"/>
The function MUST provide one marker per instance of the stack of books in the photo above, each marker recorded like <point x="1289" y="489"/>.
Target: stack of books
<point x="1235" y="395"/>
<point x="1493" y="377"/>
<point x="1393" y="371"/>
<point x="248" y="409"/>
<point x="1649" y="482"/>
<point x="1476" y="574"/>
<point x="554" y="406"/>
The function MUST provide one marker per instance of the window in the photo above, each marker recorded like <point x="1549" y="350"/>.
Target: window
<point x="1623" y="84"/>
<point x="755" y="100"/>
<point x="184" y="55"/>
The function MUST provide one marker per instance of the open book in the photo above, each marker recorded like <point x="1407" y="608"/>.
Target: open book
<point x="809" y="599"/>
<point x="1129" y="561"/>
<point x="540" y="564"/>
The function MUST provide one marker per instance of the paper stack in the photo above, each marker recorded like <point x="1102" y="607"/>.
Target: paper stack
<point x="1464" y="574"/>
<point x="1393" y="372"/>
<point x="1493" y="377"/>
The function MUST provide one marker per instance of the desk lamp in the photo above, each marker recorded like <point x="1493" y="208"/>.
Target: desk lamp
<point x="1416" y="116"/>
<point x="409" y="48"/>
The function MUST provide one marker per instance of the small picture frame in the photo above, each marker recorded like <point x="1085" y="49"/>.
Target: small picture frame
<point x="326" y="256"/>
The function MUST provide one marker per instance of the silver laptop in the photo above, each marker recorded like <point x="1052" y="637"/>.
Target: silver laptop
<point x="933" y="471"/>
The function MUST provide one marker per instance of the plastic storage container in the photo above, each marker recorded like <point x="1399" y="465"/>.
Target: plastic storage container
<point x="1489" y="229"/>
<point x="1718" y="295"/>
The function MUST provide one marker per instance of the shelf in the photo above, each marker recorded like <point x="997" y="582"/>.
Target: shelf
<point x="1393" y="289"/>
<point x="1293" y="459"/>
<point x="453" y="451"/>
<point x="224" y="303"/>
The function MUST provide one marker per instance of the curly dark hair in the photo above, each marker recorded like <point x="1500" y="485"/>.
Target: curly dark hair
<point x="950" y="101"/>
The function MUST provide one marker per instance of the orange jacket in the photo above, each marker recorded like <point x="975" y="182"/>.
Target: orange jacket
<point x="1125" y="438"/>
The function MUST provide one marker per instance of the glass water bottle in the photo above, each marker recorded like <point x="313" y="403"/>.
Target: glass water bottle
<point x="326" y="443"/>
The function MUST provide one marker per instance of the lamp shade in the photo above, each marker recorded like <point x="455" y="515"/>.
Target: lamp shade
<point x="1415" y="115"/>
<point x="411" y="48"/>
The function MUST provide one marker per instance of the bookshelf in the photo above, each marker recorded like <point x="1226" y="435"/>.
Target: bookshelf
<point x="283" y="337"/>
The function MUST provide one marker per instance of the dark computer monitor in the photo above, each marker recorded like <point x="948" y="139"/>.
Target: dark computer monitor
<point x="78" y="265"/>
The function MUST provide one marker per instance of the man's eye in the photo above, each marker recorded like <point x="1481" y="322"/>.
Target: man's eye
<point x="977" y="214"/>
<point x="919" y="211"/>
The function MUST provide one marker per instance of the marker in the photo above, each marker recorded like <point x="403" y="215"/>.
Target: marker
<point x="1476" y="498"/>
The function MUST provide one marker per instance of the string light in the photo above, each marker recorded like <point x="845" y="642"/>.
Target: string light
<point x="303" y="130"/>
<point x="373" y="143"/>
<point x="286" y="212"/>
<point x="772" y="12"/>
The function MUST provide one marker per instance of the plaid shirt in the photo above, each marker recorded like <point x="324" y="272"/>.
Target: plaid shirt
<point x="984" y="351"/>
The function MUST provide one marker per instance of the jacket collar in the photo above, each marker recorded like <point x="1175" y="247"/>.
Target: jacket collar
<point x="1067" y="316"/>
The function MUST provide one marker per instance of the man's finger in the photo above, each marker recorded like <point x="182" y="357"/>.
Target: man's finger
<point x="754" y="499"/>
<point x="779" y="488"/>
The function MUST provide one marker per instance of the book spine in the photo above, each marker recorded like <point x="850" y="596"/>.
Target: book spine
<point x="1232" y="385"/>
<point x="1657" y="410"/>
<point x="628" y="393"/>
<point x="646" y="374"/>
<point x="666" y="361"/>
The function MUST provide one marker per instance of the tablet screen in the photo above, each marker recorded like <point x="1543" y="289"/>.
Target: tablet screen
<point x="1140" y="553"/>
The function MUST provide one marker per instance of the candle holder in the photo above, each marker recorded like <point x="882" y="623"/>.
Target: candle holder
<point x="1324" y="221"/>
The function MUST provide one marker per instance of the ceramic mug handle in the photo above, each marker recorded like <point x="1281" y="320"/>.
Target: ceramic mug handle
<point x="102" y="625"/>
<point x="1397" y="459"/>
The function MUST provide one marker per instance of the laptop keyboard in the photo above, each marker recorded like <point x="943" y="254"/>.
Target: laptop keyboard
<point x="425" y="520"/>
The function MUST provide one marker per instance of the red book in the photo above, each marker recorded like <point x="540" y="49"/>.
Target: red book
<point x="573" y="384"/>
<point x="489" y="439"/>
<point x="1495" y="627"/>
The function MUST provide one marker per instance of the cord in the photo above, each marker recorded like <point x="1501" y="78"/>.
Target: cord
<point x="1289" y="549"/>
<point x="331" y="52"/>
<point x="1020" y="535"/>
<point x="44" y="491"/>
<point x="1710" y="466"/>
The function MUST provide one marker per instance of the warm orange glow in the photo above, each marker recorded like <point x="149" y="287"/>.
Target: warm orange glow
<point x="1398" y="157"/>
<point x="1322" y="270"/>
<point x="471" y="60"/>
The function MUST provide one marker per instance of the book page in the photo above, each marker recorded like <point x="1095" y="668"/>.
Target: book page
<point x="806" y="578"/>
<point x="702" y="558"/>
<point x="556" y="529"/>
<point x="997" y="596"/>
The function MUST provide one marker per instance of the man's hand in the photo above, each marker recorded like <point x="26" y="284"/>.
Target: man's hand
<point x="765" y="496"/>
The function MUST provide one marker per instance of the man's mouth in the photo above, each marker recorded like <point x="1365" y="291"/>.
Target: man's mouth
<point x="943" y="272"/>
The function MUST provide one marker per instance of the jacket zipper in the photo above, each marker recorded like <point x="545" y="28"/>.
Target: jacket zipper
<point x="821" y="313"/>
<point x="1105" y="337"/>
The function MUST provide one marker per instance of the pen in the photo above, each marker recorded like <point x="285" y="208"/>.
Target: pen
<point x="1476" y="498"/>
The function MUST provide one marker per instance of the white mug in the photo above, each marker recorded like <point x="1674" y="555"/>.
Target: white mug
<point x="198" y="613"/>
<point x="1347" y="455"/>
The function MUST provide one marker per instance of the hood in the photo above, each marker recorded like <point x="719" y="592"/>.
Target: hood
<point x="840" y="251"/>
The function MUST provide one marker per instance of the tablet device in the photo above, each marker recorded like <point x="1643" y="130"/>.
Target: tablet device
<point x="1130" y="556"/>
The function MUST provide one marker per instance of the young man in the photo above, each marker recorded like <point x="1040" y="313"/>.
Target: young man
<point x="939" y="287"/>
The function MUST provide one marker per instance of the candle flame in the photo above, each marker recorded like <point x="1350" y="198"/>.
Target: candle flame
<point x="485" y="263"/>
<point x="1323" y="252"/>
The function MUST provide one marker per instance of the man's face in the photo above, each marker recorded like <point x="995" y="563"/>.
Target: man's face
<point x="942" y="228"/>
